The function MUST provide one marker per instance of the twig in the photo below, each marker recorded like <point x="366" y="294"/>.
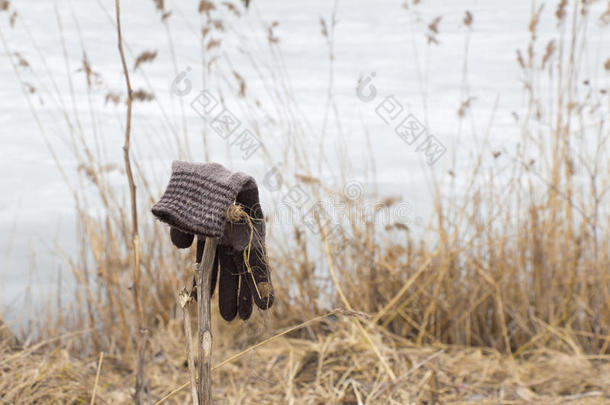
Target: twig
<point x="97" y="377"/>
<point x="134" y="220"/>
<point x="184" y="299"/>
<point x="204" y="323"/>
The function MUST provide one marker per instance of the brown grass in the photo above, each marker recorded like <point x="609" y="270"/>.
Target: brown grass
<point x="332" y="365"/>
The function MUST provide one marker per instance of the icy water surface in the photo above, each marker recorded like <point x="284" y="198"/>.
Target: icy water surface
<point x="379" y="43"/>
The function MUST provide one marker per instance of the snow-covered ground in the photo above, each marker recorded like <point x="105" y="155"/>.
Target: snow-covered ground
<point x="380" y="41"/>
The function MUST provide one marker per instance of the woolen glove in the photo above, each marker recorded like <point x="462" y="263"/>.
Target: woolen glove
<point x="239" y="283"/>
<point x="196" y="202"/>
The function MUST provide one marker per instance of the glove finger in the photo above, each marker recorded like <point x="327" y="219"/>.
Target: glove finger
<point x="245" y="298"/>
<point x="181" y="240"/>
<point x="214" y="274"/>
<point x="260" y="280"/>
<point x="199" y="254"/>
<point x="228" y="285"/>
<point x="200" y="247"/>
<point x="194" y="289"/>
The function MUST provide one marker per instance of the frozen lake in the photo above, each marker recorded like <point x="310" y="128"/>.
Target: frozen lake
<point x="381" y="44"/>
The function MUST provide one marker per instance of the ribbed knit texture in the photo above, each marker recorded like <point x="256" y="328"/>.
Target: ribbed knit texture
<point x="198" y="196"/>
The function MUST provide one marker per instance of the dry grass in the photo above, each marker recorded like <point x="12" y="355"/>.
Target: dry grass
<point x="504" y="299"/>
<point x="333" y="365"/>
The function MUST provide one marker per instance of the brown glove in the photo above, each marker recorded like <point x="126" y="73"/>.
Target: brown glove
<point x="238" y="284"/>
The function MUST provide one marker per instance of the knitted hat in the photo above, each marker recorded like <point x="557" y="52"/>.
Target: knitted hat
<point x="198" y="196"/>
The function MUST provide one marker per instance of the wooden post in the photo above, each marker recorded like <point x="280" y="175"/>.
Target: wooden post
<point x="204" y="279"/>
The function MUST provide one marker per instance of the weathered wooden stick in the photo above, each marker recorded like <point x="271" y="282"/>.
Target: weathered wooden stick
<point x="204" y="323"/>
<point x="184" y="299"/>
<point x="140" y="337"/>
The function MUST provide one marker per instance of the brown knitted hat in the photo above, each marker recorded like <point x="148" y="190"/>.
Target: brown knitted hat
<point x="198" y="196"/>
